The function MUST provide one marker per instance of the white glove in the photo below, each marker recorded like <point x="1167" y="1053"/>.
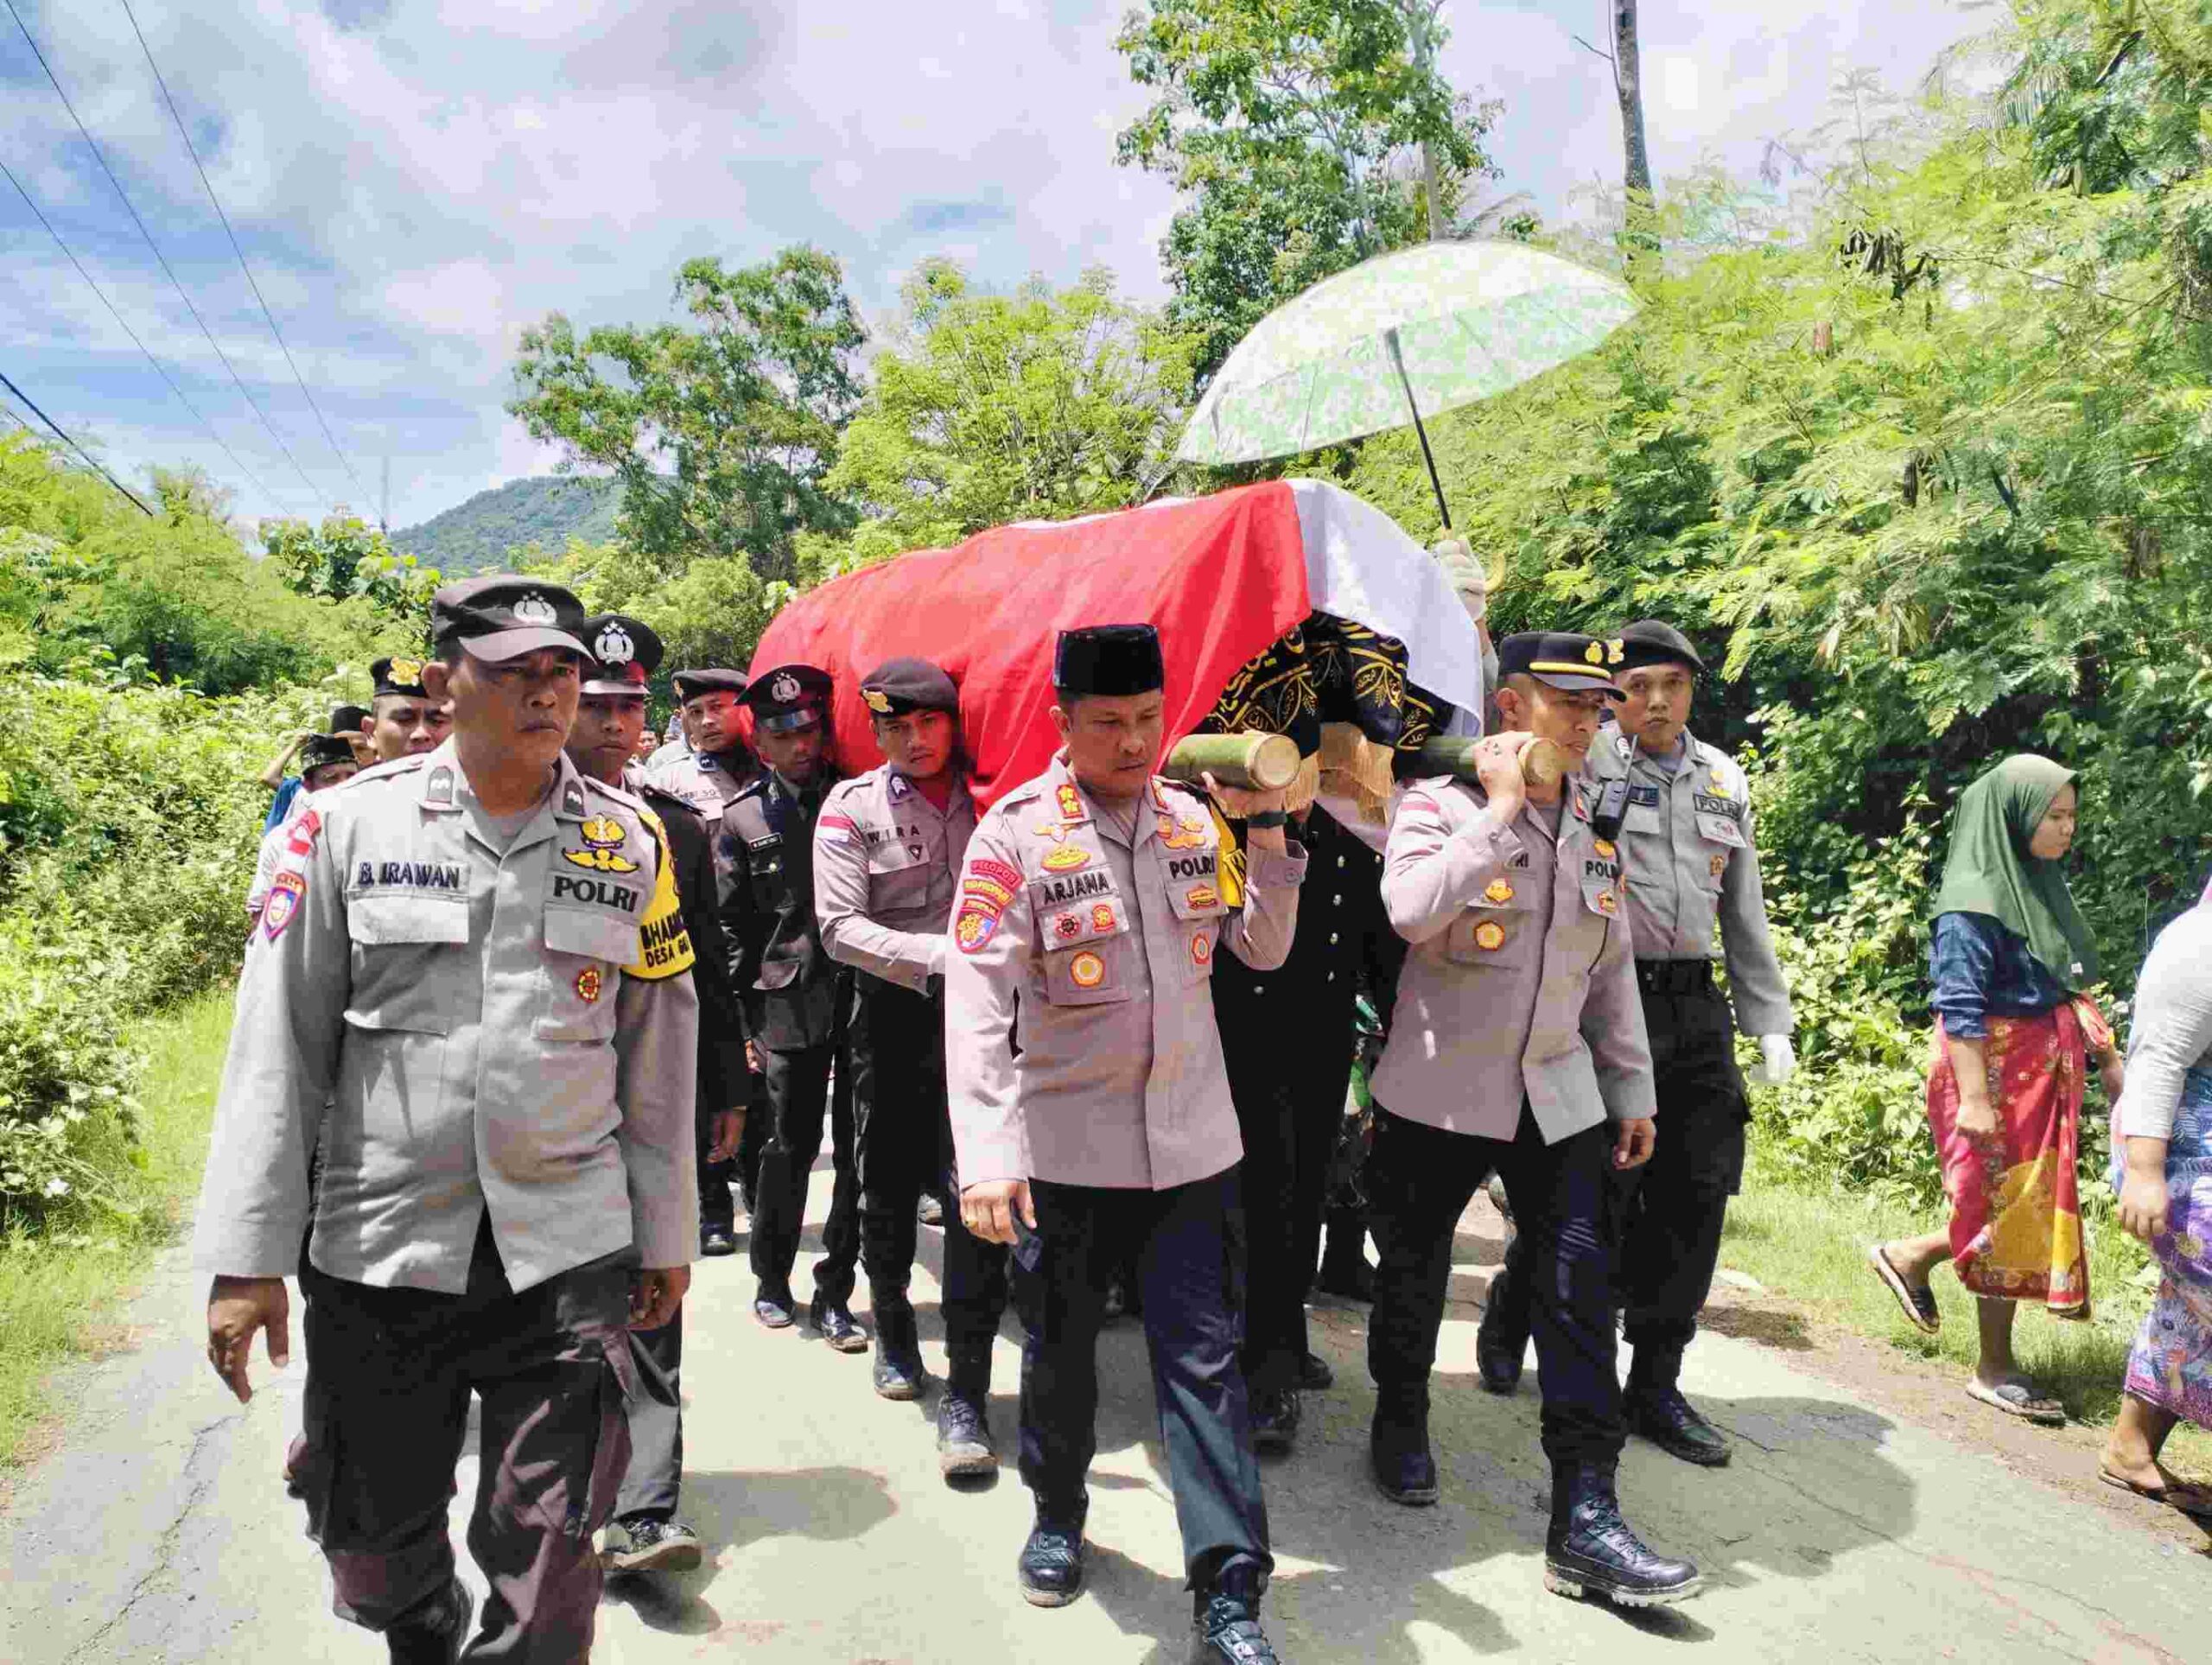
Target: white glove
<point x="1777" y="1060"/>
<point x="1466" y="574"/>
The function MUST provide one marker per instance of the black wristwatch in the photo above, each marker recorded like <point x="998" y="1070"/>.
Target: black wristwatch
<point x="1264" y="819"/>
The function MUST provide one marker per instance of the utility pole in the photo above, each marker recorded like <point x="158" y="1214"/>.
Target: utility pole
<point x="384" y="501"/>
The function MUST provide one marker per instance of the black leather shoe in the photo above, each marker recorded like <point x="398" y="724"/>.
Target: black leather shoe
<point x="717" y="1240"/>
<point x="1051" y="1567"/>
<point x="837" y="1325"/>
<point x="1274" y="1423"/>
<point x="1672" y="1423"/>
<point x="1497" y="1356"/>
<point x="1314" y="1374"/>
<point x="437" y="1631"/>
<point x="1592" y="1550"/>
<point x="964" y="1438"/>
<point x="774" y="1309"/>
<point x="1228" y="1633"/>
<point x="1398" y="1453"/>
<point x="646" y="1545"/>
<point x="898" y="1371"/>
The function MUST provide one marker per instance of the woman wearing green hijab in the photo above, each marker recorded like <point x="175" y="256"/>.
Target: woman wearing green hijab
<point x="2009" y="959"/>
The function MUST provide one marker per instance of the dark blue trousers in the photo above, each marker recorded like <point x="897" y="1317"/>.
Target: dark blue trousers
<point x="1420" y="1180"/>
<point x="1188" y="1255"/>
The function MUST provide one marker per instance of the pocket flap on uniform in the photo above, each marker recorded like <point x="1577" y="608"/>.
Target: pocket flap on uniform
<point x="1720" y="829"/>
<point x="1194" y="884"/>
<point x="385" y="921"/>
<point x="597" y="936"/>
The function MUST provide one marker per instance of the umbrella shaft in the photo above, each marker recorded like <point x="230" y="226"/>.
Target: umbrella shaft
<point x="1398" y="360"/>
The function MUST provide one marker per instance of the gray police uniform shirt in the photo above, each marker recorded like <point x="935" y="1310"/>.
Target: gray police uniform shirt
<point x="886" y="861"/>
<point x="1099" y="944"/>
<point x="1520" y="982"/>
<point x="465" y="1027"/>
<point x="1692" y="863"/>
<point x="698" y="777"/>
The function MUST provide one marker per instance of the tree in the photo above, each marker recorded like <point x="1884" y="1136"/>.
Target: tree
<point x="1305" y="136"/>
<point x="345" y="557"/>
<point x="721" y="432"/>
<point x="1626" y="61"/>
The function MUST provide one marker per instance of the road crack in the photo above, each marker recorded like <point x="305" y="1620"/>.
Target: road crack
<point x="197" y="1487"/>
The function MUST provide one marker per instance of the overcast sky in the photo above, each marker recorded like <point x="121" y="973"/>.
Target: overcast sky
<point x="416" y="181"/>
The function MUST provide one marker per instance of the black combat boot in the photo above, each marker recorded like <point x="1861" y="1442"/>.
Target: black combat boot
<point x="434" y="1631"/>
<point x="1397" y="1445"/>
<point x="1225" y="1626"/>
<point x="1345" y="1269"/>
<point x="1654" y="1407"/>
<point x="834" y="1319"/>
<point x="1274" y="1422"/>
<point x="772" y="1305"/>
<point x="898" y="1371"/>
<point x="964" y="1423"/>
<point x="1591" y="1548"/>
<point x="1050" y="1567"/>
<point x="1500" y="1344"/>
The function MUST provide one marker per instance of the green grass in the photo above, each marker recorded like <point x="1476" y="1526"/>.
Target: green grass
<point x="1810" y="1248"/>
<point x="59" y="1292"/>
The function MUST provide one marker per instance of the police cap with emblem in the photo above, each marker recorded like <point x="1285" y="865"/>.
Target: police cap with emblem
<point x="689" y="684"/>
<point x="321" y="751"/>
<point x="899" y="686"/>
<point x="1560" y="658"/>
<point x="625" y="653"/>
<point x="1651" y="641"/>
<point x="789" y="696"/>
<point x="1108" y="660"/>
<point x="501" y="617"/>
<point x="402" y="675"/>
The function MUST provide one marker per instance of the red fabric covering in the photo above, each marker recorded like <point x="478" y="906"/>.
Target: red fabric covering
<point x="1222" y="577"/>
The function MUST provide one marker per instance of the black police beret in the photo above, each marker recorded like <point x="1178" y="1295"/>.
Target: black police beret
<point x="321" y="751"/>
<point x="1652" y="641"/>
<point x="625" y="653"/>
<point x="1561" y="659"/>
<point x="689" y="684"/>
<point x="789" y="696"/>
<point x="402" y="675"/>
<point x="899" y="686"/>
<point x="1108" y="660"/>
<point x="501" y="617"/>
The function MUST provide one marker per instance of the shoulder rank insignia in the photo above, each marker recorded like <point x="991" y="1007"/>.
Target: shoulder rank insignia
<point x="1071" y="802"/>
<point x="572" y="799"/>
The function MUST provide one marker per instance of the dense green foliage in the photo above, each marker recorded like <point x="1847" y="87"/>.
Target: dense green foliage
<point x="484" y="533"/>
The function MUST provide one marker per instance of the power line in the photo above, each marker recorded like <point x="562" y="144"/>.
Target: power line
<point x="161" y="259"/>
<point x="32" y="408"/>
<point x="160" y="369"/>
<point x="183" y="133"/>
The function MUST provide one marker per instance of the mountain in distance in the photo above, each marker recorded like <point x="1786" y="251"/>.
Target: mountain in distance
<point x="546" y="509"/>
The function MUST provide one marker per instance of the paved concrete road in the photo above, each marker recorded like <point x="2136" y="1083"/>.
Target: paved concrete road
<point x="158" y="1529"/>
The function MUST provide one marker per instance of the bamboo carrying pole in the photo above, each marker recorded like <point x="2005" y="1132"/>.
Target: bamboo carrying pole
<point x="1252" y="763"/>
<point x="1542" y="762"/>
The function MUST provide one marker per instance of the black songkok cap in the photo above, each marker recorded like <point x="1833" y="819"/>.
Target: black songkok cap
<point x="902" y="686"/>
<point x="689" y="684"/>
<point x="1652" y="641"/>
<point x="625" y="653"/>
<point x="346" y="719"/>
<point x="321" y="751"/>
<point x="402" y="675"/>
<point x="789" y="696"/>
<point x="1108" y="660"/>
<point x="1562" y="659"/>
<point x="501" y="617"/>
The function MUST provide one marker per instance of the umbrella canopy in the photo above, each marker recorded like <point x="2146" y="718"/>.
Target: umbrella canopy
<point x="1398" y="338"/>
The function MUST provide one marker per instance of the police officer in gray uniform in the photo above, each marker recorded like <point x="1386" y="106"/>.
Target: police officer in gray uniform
<point x="1693" y="864"/>
<point x="796" y="999"/>
<point x="462" y="984"/>
<point x="712" y="766"/>
<point x="1102" y="1132"/>
<point x="1517" y="1046"/>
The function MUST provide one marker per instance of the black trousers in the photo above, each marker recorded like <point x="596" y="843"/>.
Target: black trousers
<point x="798" y="1095"/>
<point x="1289" y="1128"/>
<point x="1185" y="1242"/>
<point x="745" y="1166"/>
<point x="1420" y="1180"/>
<point x="390" y="1372"/>
<point x="717" y="1207"/>
<point x="903" y="1132"/>
<point x="653" y="1482"/>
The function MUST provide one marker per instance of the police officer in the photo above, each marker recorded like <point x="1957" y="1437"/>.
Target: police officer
<point x="713" y="765"/>
<point x="645" y="1536"/>
<point x="326" y="760"/>
<point x="1089" y="910"/>
<point x="403" y="721"/>
<point x="464" y="984"/>
<point x="1517" y="1045"/>
<point x="887" y="860"/>
<point x="794" y="995"/>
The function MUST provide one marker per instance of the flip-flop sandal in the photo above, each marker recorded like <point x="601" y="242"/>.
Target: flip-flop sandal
<point x="2184" y="1497"/>
<point x="2018" y="1397"/>
<point x="1919" y="1303"/>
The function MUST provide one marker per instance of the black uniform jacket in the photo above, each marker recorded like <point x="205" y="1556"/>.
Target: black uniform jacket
<point x="724" y="1083"/>
<point x="790" y="986"/>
